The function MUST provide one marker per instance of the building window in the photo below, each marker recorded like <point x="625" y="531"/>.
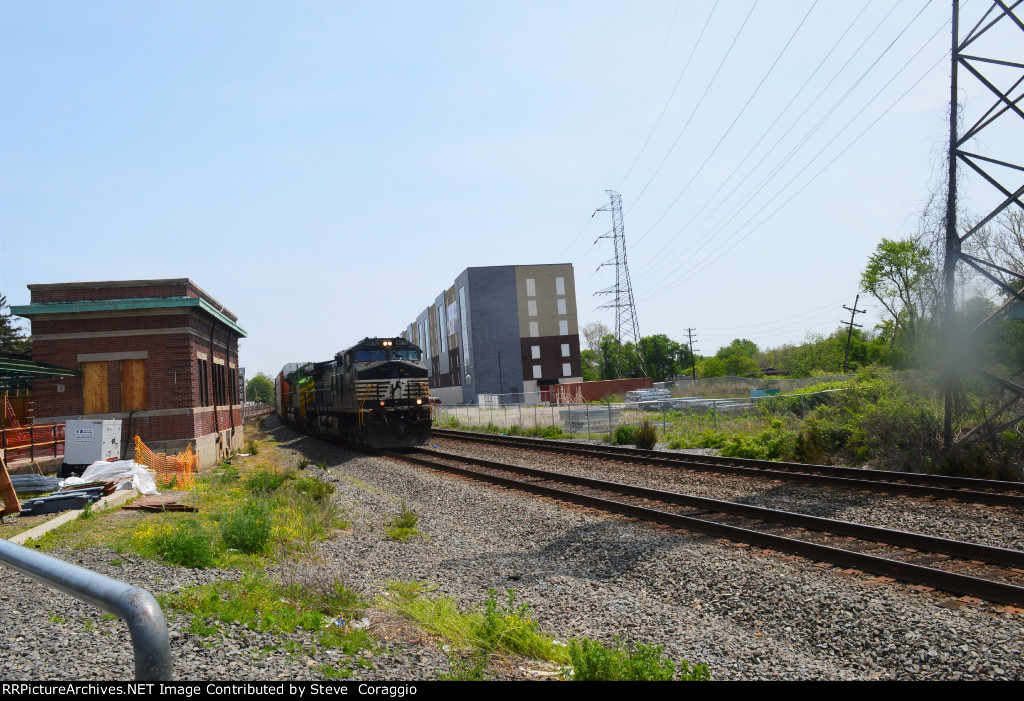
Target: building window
<point x="133" y="385"/>
<point x="95" y="387"/>
<point x="563" y="327"/>
<point x="535" y="352"/>
<point x="204" y="392"/>
<point x="534" y="329"/>
<point x="561" y="306"/>
<point x="531" y="287"/>
<point x="566" y="370"/>
<point x="560" y="285"/>
<point x="565" y="350"/>
<point x="464" y="342"/>
<point x="219" y="385"/>
<point x="442" y="322"/>
<point x="536" y="372"/>
<point x="531" y="307"/>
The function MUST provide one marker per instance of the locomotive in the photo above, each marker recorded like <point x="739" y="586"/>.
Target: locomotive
<point x="374" y="393"/>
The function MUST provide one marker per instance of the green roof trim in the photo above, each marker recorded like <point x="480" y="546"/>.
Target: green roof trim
<point x="118" y="305"/>
<point x="13" y="367"/>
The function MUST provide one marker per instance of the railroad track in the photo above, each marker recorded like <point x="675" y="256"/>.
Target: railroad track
<point x="972" y="569"/>
<point x="966" y="489"/>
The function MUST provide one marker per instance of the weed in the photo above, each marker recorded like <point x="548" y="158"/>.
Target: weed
<point x="332" y="672"/>
<point x="646" y="436"/>
<point x="624" y="434"/>
<point x="87" y="511"/>
<point x="264" y="482"/>
<point x="403" y="526"/>
<point x="185" y="544"/>
<point x="116" y="562"/>
<point x="248" y="528"/>
<point x="593" y="661"/>
<point x="472" y="668"/>
<point x="56" y="618"/>
<point x="108" y="617"/>
<point x="322" y="465"/>
<point x="252" y="447"/>
<point x="303" y="463"/>
<point x="313" y="488"/>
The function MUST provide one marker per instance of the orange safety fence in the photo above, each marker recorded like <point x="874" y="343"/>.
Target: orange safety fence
<point x="178" y="469"/>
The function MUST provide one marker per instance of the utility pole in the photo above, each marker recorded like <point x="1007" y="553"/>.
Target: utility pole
<point x="853" y="312"/>
<point x="624" y="306"/>
<point x="693" y="356"/>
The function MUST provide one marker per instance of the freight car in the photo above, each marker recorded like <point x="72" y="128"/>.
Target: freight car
<point x="374" y="393"/>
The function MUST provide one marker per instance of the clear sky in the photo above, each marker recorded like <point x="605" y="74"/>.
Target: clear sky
<point x="325" y="169"/>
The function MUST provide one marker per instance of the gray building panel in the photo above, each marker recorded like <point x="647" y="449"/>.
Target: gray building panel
<point x="494" y="331"/>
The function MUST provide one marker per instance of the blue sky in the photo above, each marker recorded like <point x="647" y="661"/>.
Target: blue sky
<point x="326" y="169"/>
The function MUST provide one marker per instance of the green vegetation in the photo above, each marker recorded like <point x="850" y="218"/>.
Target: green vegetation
<point x="248" y="527"/>
<point x="593" y="661"/>
<point x="260" y="389"/>
<point x="252" y="447"/>
<point x="471" y="668"/>
<point x="403" y="526"/>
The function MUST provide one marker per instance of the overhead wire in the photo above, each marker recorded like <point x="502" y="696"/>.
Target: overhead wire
<point x="771" y="126"/>
<point x="695" y="108"/>
<point x="733" y="123"/>
<point x="749" y="199"/>
<point x="670" y="96"/>
<point x="775" y="169"/>
<point x="688" y="274"/>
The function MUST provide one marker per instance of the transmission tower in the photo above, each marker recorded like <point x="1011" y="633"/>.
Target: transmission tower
<point x="987" y="71"/>
<point x="627" y="328"/>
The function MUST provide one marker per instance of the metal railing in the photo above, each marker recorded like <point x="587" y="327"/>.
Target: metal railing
<point x="134" y="606"/>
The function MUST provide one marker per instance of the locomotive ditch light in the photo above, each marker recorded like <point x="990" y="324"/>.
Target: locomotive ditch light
<point x="419" y="401"/>
<point x="382" y="402"/>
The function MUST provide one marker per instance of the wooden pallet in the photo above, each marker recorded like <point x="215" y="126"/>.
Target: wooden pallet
<point x="11" y="504"/>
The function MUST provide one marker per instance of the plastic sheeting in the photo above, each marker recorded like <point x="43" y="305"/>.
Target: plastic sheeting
<point x="142" y="479"/>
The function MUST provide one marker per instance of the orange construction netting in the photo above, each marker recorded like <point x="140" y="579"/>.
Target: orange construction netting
<point x="179" y="470"/>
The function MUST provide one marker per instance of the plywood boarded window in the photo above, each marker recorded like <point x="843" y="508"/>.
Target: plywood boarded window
<point x="95" y="387"/>
<point x="133" y="385"/>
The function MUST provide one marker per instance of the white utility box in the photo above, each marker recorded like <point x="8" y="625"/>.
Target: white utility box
<point x="85" y="442"/>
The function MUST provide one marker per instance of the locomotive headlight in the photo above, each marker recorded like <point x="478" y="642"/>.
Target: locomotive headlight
<point x="419" y="401"/>
<point x="382" y="403"/>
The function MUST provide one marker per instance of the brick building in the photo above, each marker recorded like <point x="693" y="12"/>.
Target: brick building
<point x="507" y="330"/>
<point x="161" y="355"/>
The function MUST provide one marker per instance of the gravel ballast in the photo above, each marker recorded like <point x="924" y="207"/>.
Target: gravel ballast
<point x="745" y="613"/>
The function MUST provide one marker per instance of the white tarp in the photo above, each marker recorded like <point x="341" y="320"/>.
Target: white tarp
<point x="142" y="478"/>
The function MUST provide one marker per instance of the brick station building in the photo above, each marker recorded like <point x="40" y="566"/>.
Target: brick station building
<point x="161" y="355"/>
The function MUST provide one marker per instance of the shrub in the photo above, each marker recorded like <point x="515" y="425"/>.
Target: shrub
<point x="646" y="436"/>
<point x="248" y="528"/>
<point x="624" y="434"/>
<point x="303" y="464"/>
<point x="264" y="482"/>
<point x="403" y="526"/>
<point x="313" y="488"/>
<point x="185" y="544"/>
<point x="552" y="432"/>
<point x="593" y="661"/>
<point x="252" y="447"/>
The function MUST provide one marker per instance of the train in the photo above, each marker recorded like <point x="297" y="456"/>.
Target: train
<point x="375" y="393"/>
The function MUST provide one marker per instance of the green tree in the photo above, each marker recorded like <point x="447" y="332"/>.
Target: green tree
<point x="260" y="389"/>
<point x="738" y="358"/>
<point x="12" y="340"/>
<point x="897" y="276"/>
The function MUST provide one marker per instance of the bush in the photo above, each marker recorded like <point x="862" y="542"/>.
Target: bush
<point x="646" y="436"/>
<point x="593" y="661"/>
<point x="252" y="447"/>
<point x="248" y="529"/>
<point x="264" y="482"/>
<point x="185" y="544"/>
<point x="624" y="434"/>
<point x="313" y="488"/>
<point x="403" y="526"/>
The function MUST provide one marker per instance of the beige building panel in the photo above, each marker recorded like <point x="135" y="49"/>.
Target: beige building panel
<point x="546" y="296"/>
<point x="452" y="315"/>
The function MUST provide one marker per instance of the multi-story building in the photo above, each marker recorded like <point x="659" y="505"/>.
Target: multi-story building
<point x="161" y="355"/>
<point x="507" y="330"/>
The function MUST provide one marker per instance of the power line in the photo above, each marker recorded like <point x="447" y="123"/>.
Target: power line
<point x="774" y="170"/>
<point x="671" y="95"/>
<point x="696" y="107"/>
<point x="733" y="123"/>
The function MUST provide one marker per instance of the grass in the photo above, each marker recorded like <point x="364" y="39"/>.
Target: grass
<point x="261" y="604"/>
<point x="403" y="526"/>
<point x="499" y="626"/>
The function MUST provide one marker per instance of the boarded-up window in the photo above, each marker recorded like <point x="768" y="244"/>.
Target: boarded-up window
<point x="133" y="385"/>
<point x="204" y="392"/>
<point x="95" y="387"/>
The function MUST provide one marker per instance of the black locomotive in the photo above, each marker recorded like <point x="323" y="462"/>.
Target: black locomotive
<point x="374" y="393"/>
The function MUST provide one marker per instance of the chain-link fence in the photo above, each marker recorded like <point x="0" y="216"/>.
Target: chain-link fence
<point x="672" y="415"/>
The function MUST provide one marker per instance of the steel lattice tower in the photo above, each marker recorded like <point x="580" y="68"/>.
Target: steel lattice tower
<point x="992" y="170"/>
<point x="626" y="323"/>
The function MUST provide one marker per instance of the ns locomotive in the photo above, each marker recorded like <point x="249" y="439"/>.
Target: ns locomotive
<point x="374" y="393"/>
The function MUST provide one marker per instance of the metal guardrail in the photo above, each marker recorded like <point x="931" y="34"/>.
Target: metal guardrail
<point x="134" y="606"/>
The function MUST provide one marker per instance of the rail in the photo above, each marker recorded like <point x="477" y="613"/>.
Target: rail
<point x="134" y="606"/>
<point x="21" y="439"/>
